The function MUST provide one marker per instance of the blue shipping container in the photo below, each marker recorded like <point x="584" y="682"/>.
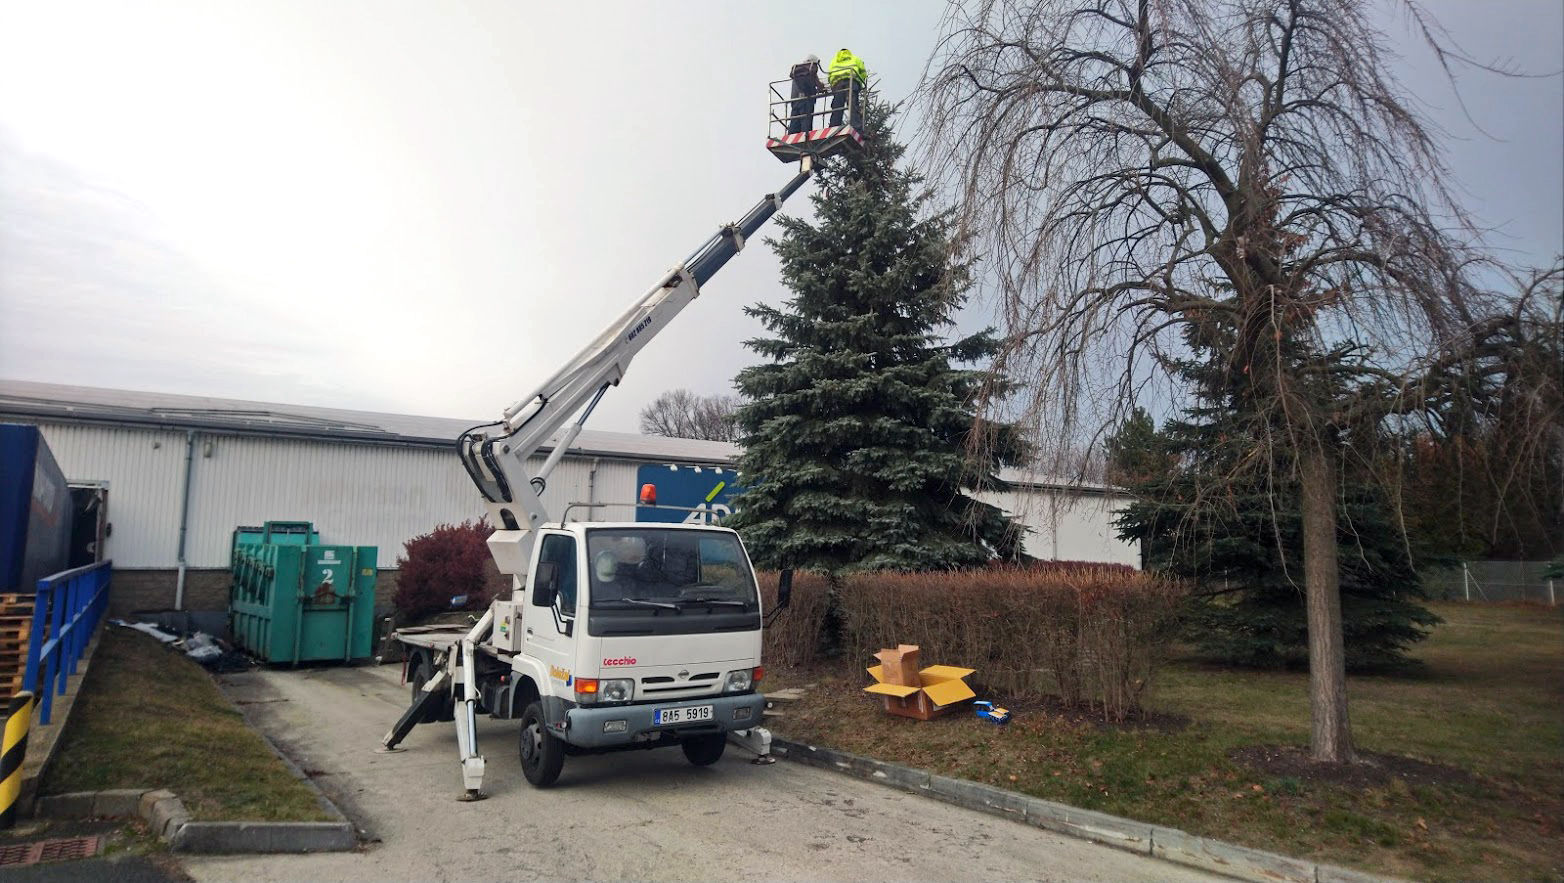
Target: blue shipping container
<point x="35" y="510"/>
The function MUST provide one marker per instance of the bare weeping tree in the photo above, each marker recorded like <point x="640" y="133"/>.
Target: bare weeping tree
<point x="1137" y="174"/>
<point x="680" y="413"/>
<point x="1509" y="393"/>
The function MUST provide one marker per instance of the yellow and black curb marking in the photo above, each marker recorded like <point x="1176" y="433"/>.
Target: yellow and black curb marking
<point x="12" y="749"/>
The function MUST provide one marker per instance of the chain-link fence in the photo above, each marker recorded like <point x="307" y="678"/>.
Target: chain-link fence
<point x="1494" y="581"/>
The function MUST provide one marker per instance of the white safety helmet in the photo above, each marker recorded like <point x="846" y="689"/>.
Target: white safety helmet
<point x="606" y="566"/>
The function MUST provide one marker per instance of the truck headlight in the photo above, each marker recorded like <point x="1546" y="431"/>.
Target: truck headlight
<point x="739" y="681"/>
<point x="616" y="690"/>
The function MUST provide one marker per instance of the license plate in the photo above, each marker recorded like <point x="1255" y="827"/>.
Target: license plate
<point x="688" y="715"/>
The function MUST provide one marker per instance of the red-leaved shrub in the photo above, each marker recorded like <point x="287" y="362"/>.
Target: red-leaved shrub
<point x="448" y="562"/>
<point x="1090" y="635"/>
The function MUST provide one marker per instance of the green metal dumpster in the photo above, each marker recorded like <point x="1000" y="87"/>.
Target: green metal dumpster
<point x="288" y="533"/>
<point x="295" y="600"/>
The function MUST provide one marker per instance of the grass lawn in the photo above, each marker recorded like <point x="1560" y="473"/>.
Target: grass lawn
<point x="1487" y="708"/>
<point x="149" y="717"/>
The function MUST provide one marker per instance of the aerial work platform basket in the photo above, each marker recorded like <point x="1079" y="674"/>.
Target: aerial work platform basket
<point x="815" y="125"/>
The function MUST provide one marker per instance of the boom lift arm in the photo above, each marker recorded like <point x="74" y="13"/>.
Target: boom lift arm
<point x="496" y="454"/>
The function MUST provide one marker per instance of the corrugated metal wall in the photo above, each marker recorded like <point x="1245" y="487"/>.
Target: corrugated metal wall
<point x="144" y="470"/>
<point x="1068" y="527"/>
<point x="385" y="495"/>
<point x="360" y="494"/>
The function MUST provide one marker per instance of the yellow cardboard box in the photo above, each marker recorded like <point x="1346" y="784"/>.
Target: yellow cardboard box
<point x="917" y="693"/>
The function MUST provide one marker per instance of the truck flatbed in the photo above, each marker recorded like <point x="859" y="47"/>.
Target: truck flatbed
<point x="441" y="638"/>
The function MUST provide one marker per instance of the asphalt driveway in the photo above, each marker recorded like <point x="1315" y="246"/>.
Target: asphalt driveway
<point x="633" y="815"/>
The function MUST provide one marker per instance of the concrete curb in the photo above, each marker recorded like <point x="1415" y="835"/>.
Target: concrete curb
<point x="167" y="817"/>
<point x="1168" y="844"/>
<point x="219" y="837"/>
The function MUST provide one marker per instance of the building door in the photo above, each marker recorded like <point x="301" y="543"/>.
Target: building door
<point x="547" y="630"/>
<point x="89" y="523"/>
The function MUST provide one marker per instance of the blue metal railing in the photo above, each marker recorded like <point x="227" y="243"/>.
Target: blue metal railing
<point x="66" y="613"/>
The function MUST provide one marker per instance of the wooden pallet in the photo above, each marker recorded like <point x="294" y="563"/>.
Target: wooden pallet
<point x="11" y="683"/>
<point x="16" y="626"/>
<point x="13" y="663"/>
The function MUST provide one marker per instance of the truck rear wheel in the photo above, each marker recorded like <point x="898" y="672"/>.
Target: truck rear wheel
<point x="704" y="750"/>
<point x="542" y="755"/>
<point x="422" y="672"/>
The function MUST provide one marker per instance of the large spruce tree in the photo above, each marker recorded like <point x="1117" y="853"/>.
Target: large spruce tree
<point x="856" y="429"/>
<point x="1210" y="514"/>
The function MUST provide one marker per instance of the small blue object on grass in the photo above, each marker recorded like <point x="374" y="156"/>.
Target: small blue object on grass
<point x="990" y="712"/>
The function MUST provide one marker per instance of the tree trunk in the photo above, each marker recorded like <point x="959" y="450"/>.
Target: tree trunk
<point x="831" y="639"/>
<point x="1331" y="735"/>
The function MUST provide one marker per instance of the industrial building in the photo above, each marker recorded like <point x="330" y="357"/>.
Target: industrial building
<point x="174" y="475"/>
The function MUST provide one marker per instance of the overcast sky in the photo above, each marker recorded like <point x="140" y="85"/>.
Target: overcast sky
<point x="427" y="207"/>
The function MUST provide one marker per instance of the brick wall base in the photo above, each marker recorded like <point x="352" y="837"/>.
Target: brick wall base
<point x="139" y="590"/>
<point x="136" y="591"/>
<point x="206" y="590"/>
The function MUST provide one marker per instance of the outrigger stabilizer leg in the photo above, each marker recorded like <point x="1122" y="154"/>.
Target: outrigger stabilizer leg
<point x="467" y="714"/>
<point x="428" y="699"/>
<point x="757" y="741"/>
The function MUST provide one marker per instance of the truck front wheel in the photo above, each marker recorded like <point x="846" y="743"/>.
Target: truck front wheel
<point x="704" y="750"/>
<point x="542" y="755"/>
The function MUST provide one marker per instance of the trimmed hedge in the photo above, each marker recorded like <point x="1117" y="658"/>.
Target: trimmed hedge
<point x="794" y="635"/>
<point x="1092" y="636"/>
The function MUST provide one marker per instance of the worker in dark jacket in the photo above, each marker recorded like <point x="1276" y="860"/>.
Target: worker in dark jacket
<point x="848" y="76"/>
<point x="806" y="85"/>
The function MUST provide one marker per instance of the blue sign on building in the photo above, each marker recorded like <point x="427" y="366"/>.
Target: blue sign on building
<point x="704" y="489"/>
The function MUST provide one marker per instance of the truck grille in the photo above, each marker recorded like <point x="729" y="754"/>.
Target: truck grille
<point x="664" y="679"/>
<point x="694" y="685"/>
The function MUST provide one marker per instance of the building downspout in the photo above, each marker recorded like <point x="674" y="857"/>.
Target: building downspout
<point x="184" y="518"/>
<point x="1053" y="517"/>
<point x="592" y="481"/>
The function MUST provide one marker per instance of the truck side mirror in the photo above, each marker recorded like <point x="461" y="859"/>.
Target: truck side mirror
<point x="545" y="584"/>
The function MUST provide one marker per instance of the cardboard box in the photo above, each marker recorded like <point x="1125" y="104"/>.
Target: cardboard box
<point x="919" y="694"/>
<point x="900" y="666"/>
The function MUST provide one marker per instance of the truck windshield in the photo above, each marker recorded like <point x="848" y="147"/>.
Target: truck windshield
<point x="654" y="568"/>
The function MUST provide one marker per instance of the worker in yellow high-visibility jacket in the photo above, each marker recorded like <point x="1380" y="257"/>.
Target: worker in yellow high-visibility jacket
<point x="847" y="77"/>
